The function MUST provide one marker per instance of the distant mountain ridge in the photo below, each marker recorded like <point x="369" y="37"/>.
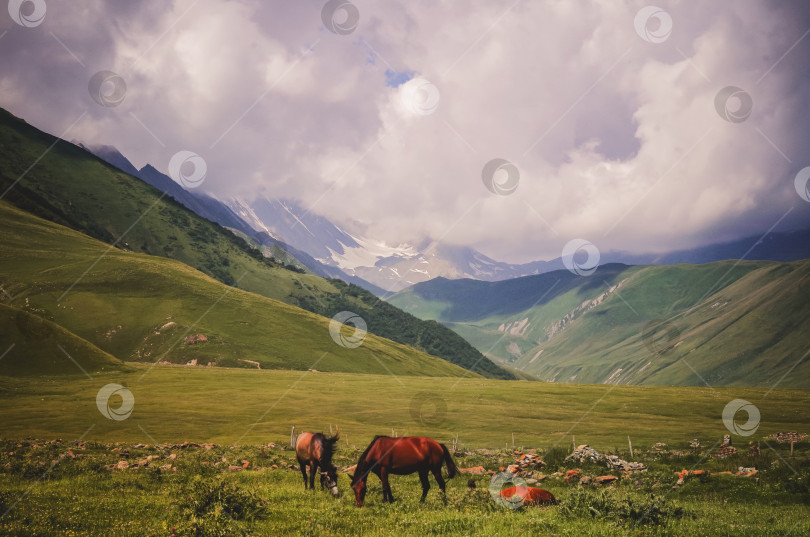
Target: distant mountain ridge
<point x="330" y="251"/>
<point x="74" y="188"/>
<point x="216" y="211"/>
<point x="394" y="268"/>
<point x="723" y="323"/>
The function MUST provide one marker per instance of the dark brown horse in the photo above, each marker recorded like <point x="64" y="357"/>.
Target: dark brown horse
<point x="401" y="456"/>
<point x="315" y="450"/>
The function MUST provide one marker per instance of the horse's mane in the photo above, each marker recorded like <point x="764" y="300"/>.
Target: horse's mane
<point x="329" y="446"/>
<point x="361" y="463"/>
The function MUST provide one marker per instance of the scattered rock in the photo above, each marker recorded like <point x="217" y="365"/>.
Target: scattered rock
<point x="476" y="470"/>
<point x="606" y="479"/>
<point x="726" y="451"/>
<point x="122" y="465"/>
<point x="746" y="472"/>
<point x="585" y="453"/>
<point x="195" y="338"/>
<point x="790" y="437"/>
<point x="572" y="476"/>
<point x="232" y="468"/>
<point x="585" y="480"/>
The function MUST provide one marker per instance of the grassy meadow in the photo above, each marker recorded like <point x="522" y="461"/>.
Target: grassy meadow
<point x="242" y="411"/>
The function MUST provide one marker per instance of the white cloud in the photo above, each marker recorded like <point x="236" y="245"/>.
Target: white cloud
<point x="616" y="139"/>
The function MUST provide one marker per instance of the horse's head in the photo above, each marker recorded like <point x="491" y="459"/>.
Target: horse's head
<point x="329" y="480"/>
<point x="359" y="486"/>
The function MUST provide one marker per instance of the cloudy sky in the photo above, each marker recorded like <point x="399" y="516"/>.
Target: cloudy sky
<point x="610" y="118"/>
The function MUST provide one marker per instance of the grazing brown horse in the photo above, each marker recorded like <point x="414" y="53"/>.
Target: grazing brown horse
<point x="315" y="450"/>
<point x="401" y="456"/>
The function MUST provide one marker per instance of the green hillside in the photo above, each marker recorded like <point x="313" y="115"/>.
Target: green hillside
<point x="144" y="308"/>
<point x="63" y="183"/>
<point x="725" y="323"/>
<point x="35" y="346"/>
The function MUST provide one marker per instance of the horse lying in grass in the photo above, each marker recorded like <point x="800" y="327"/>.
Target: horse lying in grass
<point x="528" y="495"/>
<point x="314" y="450"/>
<point x="402" y="456"/>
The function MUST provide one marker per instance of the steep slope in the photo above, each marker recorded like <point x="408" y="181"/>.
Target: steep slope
<point x="145" y="308"/>
<point x="725" y="323"/>
<point x="36" y="346"/>
<point x="72" y="187"/>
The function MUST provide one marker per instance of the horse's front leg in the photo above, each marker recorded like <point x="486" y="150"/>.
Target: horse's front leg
<point x="387" y="496"/>
<point x="303" y="473"/>
<point x="313" y="467"/>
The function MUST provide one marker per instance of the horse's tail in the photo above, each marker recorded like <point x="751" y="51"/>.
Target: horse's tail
<point x="451" y="466"/>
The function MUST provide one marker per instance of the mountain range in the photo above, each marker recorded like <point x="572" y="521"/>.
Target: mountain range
<point x="73" y="188"/>
<point x="717" y="324"/>
<point x="649" y="319"/>
<point x="315" y="242"/>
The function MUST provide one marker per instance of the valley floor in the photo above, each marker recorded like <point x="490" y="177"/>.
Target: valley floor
<point x="195" y="493"/>
<point x="69" y="488"/>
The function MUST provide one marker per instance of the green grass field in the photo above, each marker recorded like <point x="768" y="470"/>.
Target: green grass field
<point x="242" y="410"/>
<point x="250" y="406"/>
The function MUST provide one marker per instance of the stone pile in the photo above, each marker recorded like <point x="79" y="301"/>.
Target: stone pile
<point x="726" y="450"/>
<point x="524" y="463"/>
<point x="790" y="437"/>
<point x="585" y="453"/>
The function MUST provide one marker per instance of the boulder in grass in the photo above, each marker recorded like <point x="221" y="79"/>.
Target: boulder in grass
<point x="232" y="468"/>
<point x="475" y="470"/>
<point x="586" y="480"/>
<point x="572" y="476"/>
<point x="122" y="465"/>
<point x="530" y="495"/>
<point x="606" y="479"/>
